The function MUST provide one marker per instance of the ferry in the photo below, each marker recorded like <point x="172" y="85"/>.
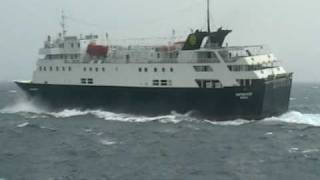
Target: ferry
<point x="201" y="75"/>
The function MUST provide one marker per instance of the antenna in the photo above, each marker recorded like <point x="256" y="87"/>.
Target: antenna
<point x="208" y="16"/>
<point x="63" y="24"/>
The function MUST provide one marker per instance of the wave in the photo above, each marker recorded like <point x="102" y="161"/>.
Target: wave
<point x="30" y="110"/>
<point x="295" y="117"/>
<point x="237" y="122"/>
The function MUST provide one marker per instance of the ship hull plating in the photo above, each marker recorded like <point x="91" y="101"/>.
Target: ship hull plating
<point x="264" y="98"/>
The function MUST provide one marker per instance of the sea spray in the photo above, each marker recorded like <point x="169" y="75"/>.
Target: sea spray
<point x="296" y="117"/>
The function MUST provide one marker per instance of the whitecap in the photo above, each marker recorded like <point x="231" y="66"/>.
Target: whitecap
<point x="293" y="150"/>
<point x="297" y="118"/>
<point x="68" y="113"/>
<point x="308" y="151"/>
<point x="237" y="122"/>
<point x="107" y="142"/>
<point x="268" y="133"/>
<point x="133" y="118"/>
<point x="23" y="124"/>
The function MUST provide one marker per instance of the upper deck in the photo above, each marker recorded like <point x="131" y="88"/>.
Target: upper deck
<point x="73" y="49"/>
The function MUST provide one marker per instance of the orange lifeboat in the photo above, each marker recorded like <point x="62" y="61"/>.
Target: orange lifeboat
<point x="97" y="50"/>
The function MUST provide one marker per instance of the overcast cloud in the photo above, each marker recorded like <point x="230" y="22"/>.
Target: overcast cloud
<point x="290" y="28"/>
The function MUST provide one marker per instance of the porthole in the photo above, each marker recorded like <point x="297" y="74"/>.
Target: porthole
<point x="103" y="69"/>
<point x="90" y="69"/>
<point x="140" y="69"/>
<point x="155" y="70"/>
<point x="84" y="69"/>
<point x="97" y="69"/>
<point x="163" y="70"/>
<point x="171" y="69"/>
<point x="145" y="69"/>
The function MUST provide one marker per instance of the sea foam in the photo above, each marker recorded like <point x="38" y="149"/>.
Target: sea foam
<point x="296" y="117"/>
<point x="30" y="110"/>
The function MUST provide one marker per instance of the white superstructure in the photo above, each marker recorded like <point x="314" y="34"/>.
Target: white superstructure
<point x="67" y="60"/>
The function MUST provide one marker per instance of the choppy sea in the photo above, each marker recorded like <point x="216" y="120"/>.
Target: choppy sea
<point x="38" y="144"/>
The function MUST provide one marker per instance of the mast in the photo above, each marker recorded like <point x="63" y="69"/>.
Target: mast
<point x="63" y="24"/>
<point x="208" y="15"/>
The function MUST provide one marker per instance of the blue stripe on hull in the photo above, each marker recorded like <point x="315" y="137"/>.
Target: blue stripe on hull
<point x="261" y="100"/>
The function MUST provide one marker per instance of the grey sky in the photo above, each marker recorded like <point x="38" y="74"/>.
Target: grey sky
<point x="290" y="28"/>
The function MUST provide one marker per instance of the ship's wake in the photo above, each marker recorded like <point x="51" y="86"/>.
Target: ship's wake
<point x="29" y="110"/>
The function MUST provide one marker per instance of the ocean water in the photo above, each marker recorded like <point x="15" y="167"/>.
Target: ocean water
<point x="38" y="144"/>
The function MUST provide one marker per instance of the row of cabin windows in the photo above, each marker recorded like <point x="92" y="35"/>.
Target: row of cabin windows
<point x="62" y="56"/>
<point x="238" y="68"/>
<point x="103" y="69"/>
<point x="155" y="69"/>
<point x="57" y="68"/>
<point x="72" y="45"/>
<point x="86" y="81"/>
<point x="203" y="68"/>
<point x="162" y="83"/>
<point x="206" y="83"/>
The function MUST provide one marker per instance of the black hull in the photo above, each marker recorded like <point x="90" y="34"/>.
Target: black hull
<point x="264" y="98"/>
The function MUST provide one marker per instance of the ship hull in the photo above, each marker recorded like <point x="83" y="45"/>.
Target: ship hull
<point x="264" y="98"/>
